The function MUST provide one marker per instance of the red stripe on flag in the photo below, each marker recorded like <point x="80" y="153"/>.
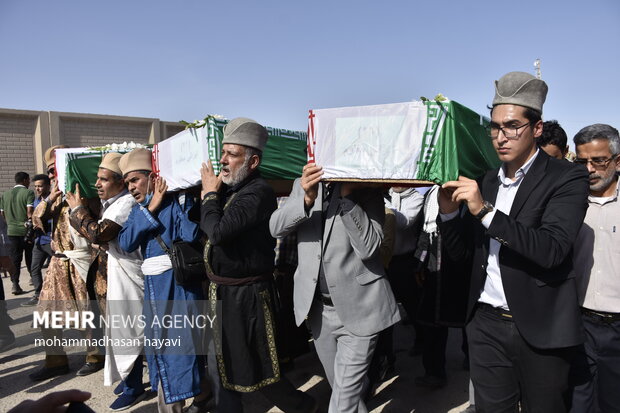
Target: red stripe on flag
<point x="311" y="142"/>
<point x="155" y="159"/>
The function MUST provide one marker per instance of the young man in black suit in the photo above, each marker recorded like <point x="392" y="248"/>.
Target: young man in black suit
<point x="523" y="315"/>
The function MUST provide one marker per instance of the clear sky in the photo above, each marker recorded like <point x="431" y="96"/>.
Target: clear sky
<point x="274" y="60"/>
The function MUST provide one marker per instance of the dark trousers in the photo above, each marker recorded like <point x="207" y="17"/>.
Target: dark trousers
<point x="282" y="393"/>
<point x="18" y="248"/>
<point x="434" y="353"/>
<point x="40" y="253"/>
<point x="5" y="320"/>
<point x="506" y="370"/>
<point x="132" y="385"/>
<point x="402" y="280"/>
<point x="596" y="370"/>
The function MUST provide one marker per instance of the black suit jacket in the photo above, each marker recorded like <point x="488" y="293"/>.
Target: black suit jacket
<point x="535" y="259"/>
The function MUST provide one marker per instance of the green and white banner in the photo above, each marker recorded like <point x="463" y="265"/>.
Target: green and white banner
<point x="178" y="159"/>
<point x="80" y="166"/>
<point x="431" y="141"/>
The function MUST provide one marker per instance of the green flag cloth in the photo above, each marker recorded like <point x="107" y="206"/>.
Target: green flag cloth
<point x="457" y="144"/>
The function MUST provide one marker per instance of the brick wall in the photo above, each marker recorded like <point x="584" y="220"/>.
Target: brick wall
<point x="26" y="134"/>
<point x="87" y="132"/>
<point x="16" y="147"/>
<point x="171" y="130"/>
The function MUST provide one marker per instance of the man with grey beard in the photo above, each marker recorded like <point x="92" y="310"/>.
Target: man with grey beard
<point x="239" y="256"/>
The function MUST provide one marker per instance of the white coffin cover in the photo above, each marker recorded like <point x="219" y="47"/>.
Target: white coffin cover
<point x="179" y="158"/>
<point x="368" y="142"/>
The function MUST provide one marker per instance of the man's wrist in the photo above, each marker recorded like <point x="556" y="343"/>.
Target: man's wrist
<point x="208" y="196"/>
<point x="308" y="202"/>
<point x="484" y="210"/>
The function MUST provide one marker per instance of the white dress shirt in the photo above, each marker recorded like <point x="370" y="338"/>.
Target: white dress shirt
<point x="493" y="292"/>
<point x="406" y="206"/>
<point x="596" y="256"/>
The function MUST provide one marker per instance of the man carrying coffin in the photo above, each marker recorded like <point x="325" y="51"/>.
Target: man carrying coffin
<point x="175" y="372"/>
<point x="523" y="315"/>
<point x="235" y="211"/>
<point x="340" y="283"/>
<point x="125" y="282"/>
<point x="64" y="284"/>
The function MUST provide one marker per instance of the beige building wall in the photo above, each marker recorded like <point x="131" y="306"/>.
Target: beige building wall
<point x="17" y="149"/>
<point x="26" y="135"/>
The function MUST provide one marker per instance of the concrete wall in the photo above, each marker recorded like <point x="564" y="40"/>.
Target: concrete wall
<point x="25" y="136"/>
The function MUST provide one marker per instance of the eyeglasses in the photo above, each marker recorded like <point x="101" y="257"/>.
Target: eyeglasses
<point x="597" y="163"/>
<point x="510" y="132"/>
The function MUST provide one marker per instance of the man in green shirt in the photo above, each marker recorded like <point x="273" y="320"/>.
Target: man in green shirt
<point x="16" y="207"/>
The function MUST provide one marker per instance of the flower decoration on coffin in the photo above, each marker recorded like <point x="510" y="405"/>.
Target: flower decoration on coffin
<point x="120" y="147"/>
<point x="200" y="123"/>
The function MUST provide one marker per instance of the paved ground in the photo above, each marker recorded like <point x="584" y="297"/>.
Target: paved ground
<point x="399" y="394"/>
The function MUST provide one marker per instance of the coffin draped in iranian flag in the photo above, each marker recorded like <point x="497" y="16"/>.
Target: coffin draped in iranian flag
<point x="418" y="142"/>
<point x="80" y="166"/>
<point x="178" y="159"/>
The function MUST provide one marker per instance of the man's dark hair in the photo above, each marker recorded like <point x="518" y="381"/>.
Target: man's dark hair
<point x="249" y="152"/>
<point x="553" y="134"/>
<point x="599" y="131"/>
<point x="21" y="177"/>
<point x="115" y="175"/>
<point x="530" y="114"/>
<point x="41" y="177"/>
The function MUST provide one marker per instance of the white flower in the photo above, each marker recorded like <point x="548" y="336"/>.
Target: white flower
<point x="114" y="147"/>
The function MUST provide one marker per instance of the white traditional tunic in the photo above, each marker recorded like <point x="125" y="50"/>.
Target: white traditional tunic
<point x="125" y="297"/>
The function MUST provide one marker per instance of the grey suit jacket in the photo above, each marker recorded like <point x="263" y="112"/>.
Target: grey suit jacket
<point x="348" y="248"/>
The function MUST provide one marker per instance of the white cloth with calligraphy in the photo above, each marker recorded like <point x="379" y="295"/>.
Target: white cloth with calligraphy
<point x="369" y="142"/>
<point x="179" y="158"/>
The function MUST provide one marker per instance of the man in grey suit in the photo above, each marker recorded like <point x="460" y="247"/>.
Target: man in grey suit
<point x="340" y="284"/>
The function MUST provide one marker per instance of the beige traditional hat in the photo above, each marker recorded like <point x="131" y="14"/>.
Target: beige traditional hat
<point x="246" y="132"/>
<point x="520" y="88"/>
<point x="139" y="159"/>
<point x="50" y="157"/>
<point x="110" y="162"/>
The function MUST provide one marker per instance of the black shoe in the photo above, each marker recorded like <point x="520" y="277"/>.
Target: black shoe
<point x="45" y="373"/>
<point x="198" y="406"/>
<point x="33" y="301"/>
<point x="89" y="368"/>
<point x="6" y="343"/>
<point x="17" y="290"/>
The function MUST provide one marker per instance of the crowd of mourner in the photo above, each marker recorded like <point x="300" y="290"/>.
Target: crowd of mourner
<point x="523" y="259"/>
